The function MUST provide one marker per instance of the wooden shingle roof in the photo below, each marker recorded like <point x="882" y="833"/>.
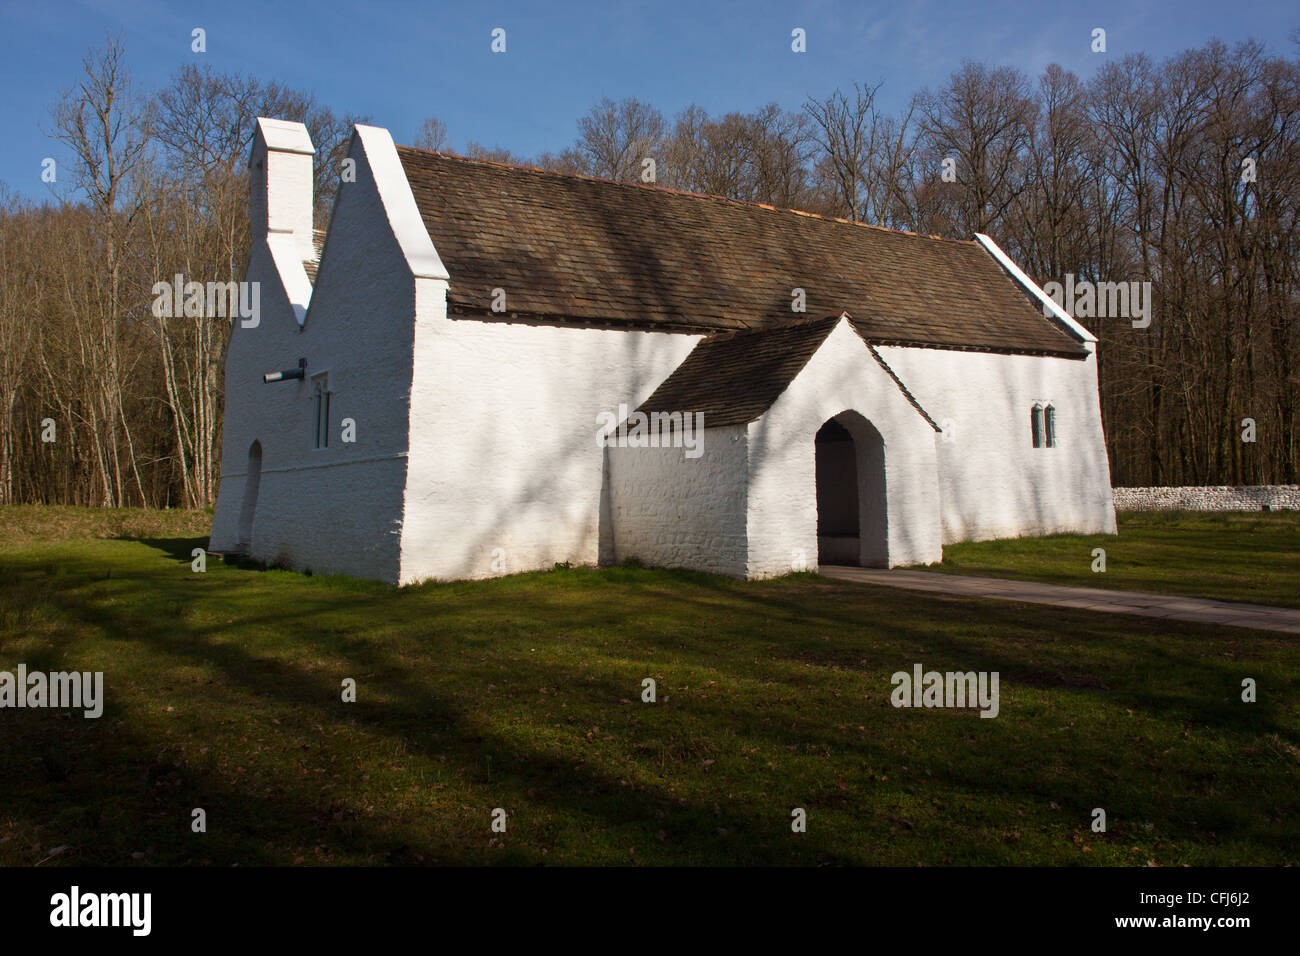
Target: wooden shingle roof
<point x="312" y="265"/>
<point x="734" y="377"/>
<point x="578" y="249"/>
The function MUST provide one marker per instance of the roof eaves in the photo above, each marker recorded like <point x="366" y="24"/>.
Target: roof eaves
<point x="1076" y="352"/>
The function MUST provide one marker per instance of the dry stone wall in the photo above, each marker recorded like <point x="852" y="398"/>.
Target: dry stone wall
<point x="1213" y="498"/>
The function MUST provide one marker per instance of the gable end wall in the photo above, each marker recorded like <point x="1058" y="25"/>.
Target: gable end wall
<point x="993" y="483"/>
<point x="334" y="510"/>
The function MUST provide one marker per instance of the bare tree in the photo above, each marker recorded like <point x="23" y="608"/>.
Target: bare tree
<point x="981" y="119"/>
<point x="844" y="129"/>
<point x="864" y="155"/>
<point x="496" y="154"/>
<point x="616" y="138"/>
<point x="781" y="146"/>
<point x="22" y="288"/>
<point x="566" y="161"/>
<point x="432" y="134"/>
<point x="103" y="123"/>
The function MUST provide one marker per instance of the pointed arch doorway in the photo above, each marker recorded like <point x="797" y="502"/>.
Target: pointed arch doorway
<point x="852" y="520"/>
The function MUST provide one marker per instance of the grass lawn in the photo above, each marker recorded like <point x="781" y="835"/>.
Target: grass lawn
<point x="223" y="693"/>
<point x="1250" y="556"/>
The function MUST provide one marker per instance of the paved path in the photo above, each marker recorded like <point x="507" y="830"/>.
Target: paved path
<point x="1168" y="606"/>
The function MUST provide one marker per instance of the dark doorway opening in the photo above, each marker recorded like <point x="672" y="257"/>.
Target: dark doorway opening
<point x="838" y="529"/>
<point x="851" y="505"/>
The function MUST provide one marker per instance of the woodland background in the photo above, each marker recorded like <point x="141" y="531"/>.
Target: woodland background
<point x="1134" y="175"/>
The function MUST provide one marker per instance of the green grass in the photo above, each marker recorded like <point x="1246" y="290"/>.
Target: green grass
<point x="1252" y="557"/>
<point x="25" y="526"/>
<point x="223" y="692"/>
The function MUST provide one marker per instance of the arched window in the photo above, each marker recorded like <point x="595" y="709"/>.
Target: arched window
<point x="1049" y="425"/>
<point x="1036" y="425"/>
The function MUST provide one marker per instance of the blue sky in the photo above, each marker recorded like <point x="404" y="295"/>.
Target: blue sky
<point x="399" y="62"/>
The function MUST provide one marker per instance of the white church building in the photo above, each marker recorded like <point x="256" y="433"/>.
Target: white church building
<point x="486" y="369"/>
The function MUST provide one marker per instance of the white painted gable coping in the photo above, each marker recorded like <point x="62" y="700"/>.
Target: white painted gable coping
<point x="907" y="392"/>
<point x="846" y="322"/>
<point x="284" y="136"/>
<point x="399" y="203"/>
<point x="1018" y="274"/>
<point x="846" y="319"/>
<point x="285" y="253"/>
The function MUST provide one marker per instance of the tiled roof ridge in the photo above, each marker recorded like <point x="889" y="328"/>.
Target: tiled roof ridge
<point x="685" y="193"/>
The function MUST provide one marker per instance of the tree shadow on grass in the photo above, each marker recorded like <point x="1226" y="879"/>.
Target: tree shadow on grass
<point x="173" y="784"/>
<point x="431" y="691"/>
<point x="181" y="549"/>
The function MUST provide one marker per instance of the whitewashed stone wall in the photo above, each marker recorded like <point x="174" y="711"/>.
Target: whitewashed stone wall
<point x="1209" y="498"/>
<point x="253" y="410"/>
<point x="841" y="376"/>
<point x="668" y="510"/>
<point x="992" y="482"/>
<point x="334" y="510"/>
<point x="503" y="439"/>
